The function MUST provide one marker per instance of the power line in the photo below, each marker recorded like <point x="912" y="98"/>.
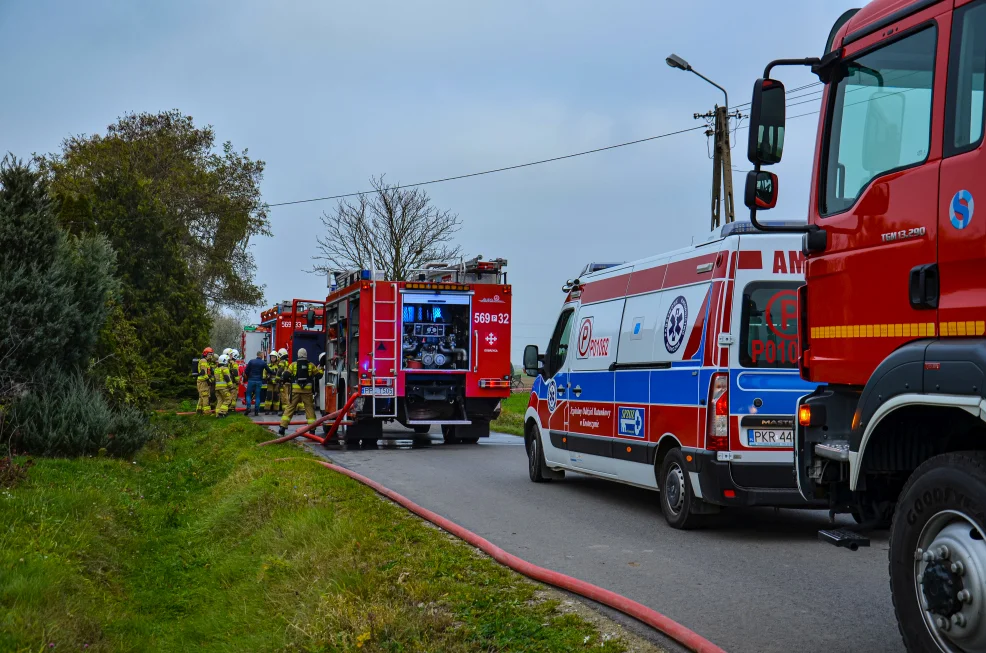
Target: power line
<point x="489" y="172"/>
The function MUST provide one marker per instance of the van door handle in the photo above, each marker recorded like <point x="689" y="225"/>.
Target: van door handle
<point x="577" y="391"/>
<point x="561" y="389"/>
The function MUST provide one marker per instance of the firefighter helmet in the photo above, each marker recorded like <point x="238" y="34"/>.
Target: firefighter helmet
<point x="227" y="351"/>
<point x="224" y="359"/>
<point x="206" y="351"/>
<point x="303" y="354"/>
<point x="282" y="352"/>
<point x="235" y="354"/>
<point x="321" y="358"/>
<point x="273" y="355"/>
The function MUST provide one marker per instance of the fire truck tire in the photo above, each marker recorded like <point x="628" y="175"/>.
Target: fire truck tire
<point x="676" y="493"/>
<point x="938" y="555"/>
<point x="535" y="458"/>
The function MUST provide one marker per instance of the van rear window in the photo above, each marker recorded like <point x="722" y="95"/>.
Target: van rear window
<point x="769" y="335"/>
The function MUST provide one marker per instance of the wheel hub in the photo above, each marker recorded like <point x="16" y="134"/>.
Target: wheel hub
<point x="674" y="488"/>
<point x="950" y="578"/>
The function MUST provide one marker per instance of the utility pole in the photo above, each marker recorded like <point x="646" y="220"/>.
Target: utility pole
<point x="722" y="163"/>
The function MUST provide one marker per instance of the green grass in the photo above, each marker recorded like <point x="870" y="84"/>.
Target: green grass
<point x="512" y="411"/>
<point x="205" y="542"/>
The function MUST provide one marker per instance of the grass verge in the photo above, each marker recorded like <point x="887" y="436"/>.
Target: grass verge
<point x="205" y="542"/>
<point x="512" y="411"/>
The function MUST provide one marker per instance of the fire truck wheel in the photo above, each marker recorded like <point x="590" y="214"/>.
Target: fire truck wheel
<point x="938" y="555"/>
<point x="535" y="458"/>
<point x="676" y="492"/>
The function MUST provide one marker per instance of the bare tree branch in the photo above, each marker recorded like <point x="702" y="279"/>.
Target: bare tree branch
<point x="397" y="228"/>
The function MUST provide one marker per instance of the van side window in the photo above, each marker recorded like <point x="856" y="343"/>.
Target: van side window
<point x="769" y="327"/>
<point x="966" y="69"/>
<point x="558" y="347"/>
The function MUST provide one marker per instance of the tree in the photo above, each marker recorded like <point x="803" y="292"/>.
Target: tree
<point x="207" y="202"/>
<point x="179" y="214"/>
<point x="226" y="331"/>
<point x="397" y="229"/>
<point x="57" y="290"/>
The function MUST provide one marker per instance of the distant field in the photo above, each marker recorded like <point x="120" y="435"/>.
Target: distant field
<point x="204" y="542"/>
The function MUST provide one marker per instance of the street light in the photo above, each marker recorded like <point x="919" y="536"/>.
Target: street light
<point x="675" y="61"/>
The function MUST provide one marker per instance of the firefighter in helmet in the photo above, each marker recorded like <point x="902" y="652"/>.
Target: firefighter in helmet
<point x="282" y="366"/>
<point x="273" y="380"/>
<point x="223" y="381"/>
<point x="234" y="371"/>
<point x="302" y="376"/>
<point x="203" y="382"/>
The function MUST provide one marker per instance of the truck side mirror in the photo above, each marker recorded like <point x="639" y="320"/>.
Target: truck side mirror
<point x="531" y="360"/>
<point x="766" y="144"/>
<point x="761" y="190"/>
<point x="310" y="318"/>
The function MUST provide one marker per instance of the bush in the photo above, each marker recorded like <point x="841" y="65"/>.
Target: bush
<point x="64" y="415"/>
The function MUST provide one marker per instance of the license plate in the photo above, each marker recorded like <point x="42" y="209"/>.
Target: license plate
<point x="770" y="437"/>
<point x="382" y="391"/>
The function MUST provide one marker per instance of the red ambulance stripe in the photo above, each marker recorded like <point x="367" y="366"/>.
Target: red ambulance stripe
<point x="680" y="421"/>
<point x="647" y="280"/>
<point x="695" y="337"/>
<point x="750" y="260"/>
<point x="712" y="335"/>
<point x="600" y="291"/>
<point x="685" y="272"/>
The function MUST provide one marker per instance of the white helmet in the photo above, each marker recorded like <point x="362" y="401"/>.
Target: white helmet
<point x="235" y="354"/>
<point x="224" y="359"/>
<point x="273" y="355"/>
<point x="303" y="353"/>
<point x="227" y="351"/>
<point x="282" y="352"/>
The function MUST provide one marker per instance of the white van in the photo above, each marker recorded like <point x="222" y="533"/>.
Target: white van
<point x="679" y="373"/>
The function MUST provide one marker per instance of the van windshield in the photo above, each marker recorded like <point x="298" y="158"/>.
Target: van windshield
<point x="769" y="333"/>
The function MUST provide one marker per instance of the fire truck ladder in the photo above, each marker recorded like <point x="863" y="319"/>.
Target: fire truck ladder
<point x="384" y="338"/>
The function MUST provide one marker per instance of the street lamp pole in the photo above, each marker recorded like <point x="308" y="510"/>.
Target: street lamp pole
<point x="722" y="166"/>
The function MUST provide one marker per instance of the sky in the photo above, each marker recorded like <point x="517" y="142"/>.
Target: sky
<point x="329" y="94"/>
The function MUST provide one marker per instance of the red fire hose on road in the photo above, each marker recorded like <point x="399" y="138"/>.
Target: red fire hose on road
<point x="691" y="640"/>
<point x="338" y="416"/>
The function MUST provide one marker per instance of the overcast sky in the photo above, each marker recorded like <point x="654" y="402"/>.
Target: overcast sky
<point x="330" y="93"/>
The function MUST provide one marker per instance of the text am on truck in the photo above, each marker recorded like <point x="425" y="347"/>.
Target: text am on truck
<point x="893" y="313"/>
<point x="433" y="350"/>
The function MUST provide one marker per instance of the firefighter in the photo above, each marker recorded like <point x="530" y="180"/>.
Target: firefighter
<point x="302" y="376"/>
<point x="234" y="373"/>
<point x="282" y="366"/>
<point x="203" y="382"/>
<point x="223" y="380"/>
<point x="273" y="381"/>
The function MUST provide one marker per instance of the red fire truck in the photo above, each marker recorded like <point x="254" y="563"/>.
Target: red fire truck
<point x="893" y="312"/>
<point x="431" y="350"/>
<point x="293" y="325"/>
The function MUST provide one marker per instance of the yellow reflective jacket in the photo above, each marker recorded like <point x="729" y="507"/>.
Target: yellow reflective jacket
<point x="223" y="377"/>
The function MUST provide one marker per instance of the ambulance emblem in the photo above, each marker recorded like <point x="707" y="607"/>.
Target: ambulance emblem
<point x="552" y="393"/>
<point x="675" y="323"/>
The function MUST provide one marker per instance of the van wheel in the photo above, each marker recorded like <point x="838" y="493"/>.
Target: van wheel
<point x="677" y="498"/>
<point x="535" y="458"/>
<point x="421" y="429"/>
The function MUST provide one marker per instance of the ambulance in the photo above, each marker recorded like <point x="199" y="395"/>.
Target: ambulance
<point x="677" y="373"/>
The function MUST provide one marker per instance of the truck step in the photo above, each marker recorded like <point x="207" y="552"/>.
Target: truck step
<point x="845" y="538"/>
<point x="833" y="450"/>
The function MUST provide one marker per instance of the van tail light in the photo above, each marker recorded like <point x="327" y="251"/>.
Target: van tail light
<point x="717" y="433"/>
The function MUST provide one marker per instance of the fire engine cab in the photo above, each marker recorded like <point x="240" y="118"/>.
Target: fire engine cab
<point x="893" y="313"/>
<point x="679" y="373"/>
<point x="432" y="350"/>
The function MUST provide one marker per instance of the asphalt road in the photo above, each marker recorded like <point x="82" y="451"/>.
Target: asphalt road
<point x="756" y="580"/>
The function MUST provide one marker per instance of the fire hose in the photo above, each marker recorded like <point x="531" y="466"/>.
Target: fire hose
<point x="687" y="638"/>
<point x="338" y="416"/>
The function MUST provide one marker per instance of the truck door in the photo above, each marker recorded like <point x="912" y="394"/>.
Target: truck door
<point x="556" y="367"/>
<point x="962" y="235"/>
<point x="877" y="197"/>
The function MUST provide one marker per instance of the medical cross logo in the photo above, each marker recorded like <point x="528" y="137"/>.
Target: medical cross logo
<point x="675" y="323"/>
<point x="552" y="396"/>
<point x="491" y="338"/>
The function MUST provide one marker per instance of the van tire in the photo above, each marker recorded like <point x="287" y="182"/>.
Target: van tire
<point x="421" y="429"/>
<point x="535" y="458"/>
<point x="677" y="498"/>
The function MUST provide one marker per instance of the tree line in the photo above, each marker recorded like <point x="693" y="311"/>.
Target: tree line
<point x="115" y="250"/>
